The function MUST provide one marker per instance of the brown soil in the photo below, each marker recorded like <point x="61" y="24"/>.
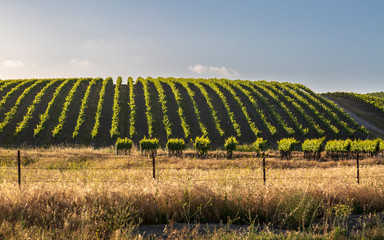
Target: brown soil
<point x="26" y="137"/>
<point x="141" y="125"/>
<point x="45" y="138"/>
<point x="8" y="105"/>
<point x="85" y="130"/>
<point x="362" y="110"/>
<point x="300" y="118"/>
<point x="222" y="114"/>
<point x="7" y="137"/>
<point x="272" y="139"/>
<point x="283" y="115"/>
<point x="252" y="112"/>
<point x="65" y="135"/>
<point x="124" y="111"/>
<point x="189" y="112"/>
<point x="104" y="136"/>
<point x="6" y="90"/>
<point x="247" y="135"/>
<point x="341" y="116"/>
<point x="173" y="114"/>
<point x="326" y="128"/>
<point x="206" y="117"/>
<point x="157" y="113"/>
<point x="343" y="132"/>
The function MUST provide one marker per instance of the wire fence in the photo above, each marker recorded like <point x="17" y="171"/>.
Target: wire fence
<point x="18" y="170"/>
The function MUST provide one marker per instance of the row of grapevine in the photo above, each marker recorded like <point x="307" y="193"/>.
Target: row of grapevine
<point x="311" y="122"/>
<point x="252" y="92"/>
<point x="273" y="104"/>
<point x="331" y="105"/>
<point x="191" y="94"/>
<point x="13" y="90"/>
<point x="212" y="110"/>
<point x="316" y="103"/>
<point x="327" y="123"/>
<point x="46" y="115"/>
<point x="27" y="117"/>
<point x="114" y="132"/>
<point x="375" y="102"/>
<point x="228" y="86"/>
<point x="357" y="146"/>
<point x="84" y="105"/>
<point x="65" y="109"/>
<point x="96" y="126"/>
<point x="231" y="115"/>
<point x="163" y="102"/>
<point x="11" y="113"/>
<point x="132" y="107"/>
<point x="9" y="84"/>
<point x="179" y="99"/>
<point x="283" y="107"/>
<point x="148" y="111"/>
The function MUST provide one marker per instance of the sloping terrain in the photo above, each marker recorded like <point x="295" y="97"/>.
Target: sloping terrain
<point x="363" y="112"/>
<point x="81" y="111"/>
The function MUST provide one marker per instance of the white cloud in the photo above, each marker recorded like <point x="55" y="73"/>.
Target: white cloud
<point x="12" y="64"/>
<point x="214" y="71"/>
<point x="79" y="63"/>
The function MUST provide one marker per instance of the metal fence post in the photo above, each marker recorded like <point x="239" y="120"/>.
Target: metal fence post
<point x="19" y="167"/>
<point x="153" y="163"/>
<point x="264" y="176"/>
<point x="358" y="168"/>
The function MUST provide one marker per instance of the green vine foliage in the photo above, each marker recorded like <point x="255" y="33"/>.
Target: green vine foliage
<point x="84" y="105"/>
<point x="11" y="113"/>
<point x="31" y="109"/>
<point x="114" y="132"/>
<point x="66" y="107"/>
<point x="96" y="126"/>
<point x="47" y="114"/>
<point x="180" y="111"/>
<point x="132" y="107"/>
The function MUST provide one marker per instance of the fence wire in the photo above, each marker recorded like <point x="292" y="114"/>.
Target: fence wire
<point x="159" y="170"/>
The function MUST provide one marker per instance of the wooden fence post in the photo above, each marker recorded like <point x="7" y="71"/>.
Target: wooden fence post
<point x="153" y="163"/>
<point x="358" y="168"/>
<point x="264" y="177"/>
<point x="19" y="167"/>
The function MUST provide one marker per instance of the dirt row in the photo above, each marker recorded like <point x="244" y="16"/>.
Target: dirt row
<point x="104" y="139"/>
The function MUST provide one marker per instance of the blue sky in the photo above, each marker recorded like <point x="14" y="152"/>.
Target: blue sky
<point x="327" y="45"/>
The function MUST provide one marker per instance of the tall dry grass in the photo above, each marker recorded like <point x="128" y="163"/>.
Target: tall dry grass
<point x="92" y="192"/>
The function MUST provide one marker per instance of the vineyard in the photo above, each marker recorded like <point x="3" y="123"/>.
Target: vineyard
<point x="368" y="107"/>
<point x="98" y="111"/>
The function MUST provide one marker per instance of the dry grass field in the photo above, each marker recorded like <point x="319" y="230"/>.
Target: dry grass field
<point x="70" y="193"/>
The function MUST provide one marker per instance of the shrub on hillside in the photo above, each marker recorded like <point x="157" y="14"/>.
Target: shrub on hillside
<point x="176" y="146"/>
<point x="286" y="146"/>
<point x="123" y="144"/>
<point x="315" y="146"/>
<point x="202" y="145"/>
<point x="260" y="145"/>
<point x="230" y="145"/>
<point x="149" y="144"/>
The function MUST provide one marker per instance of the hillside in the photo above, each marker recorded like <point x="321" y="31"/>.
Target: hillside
<point x="97" y="111"/>
<point x="377" y="94"/>
<point x="368" y="110"/>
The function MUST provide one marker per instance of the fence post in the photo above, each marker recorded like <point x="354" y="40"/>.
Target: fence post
<point x="358" y="168"/>
<point x="264" y="177"/>
<point x="19" y="167"/>
<point x="153" y="163"/>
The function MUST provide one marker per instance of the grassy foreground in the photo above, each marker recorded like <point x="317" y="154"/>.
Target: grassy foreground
<point x="90" y="194"/>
